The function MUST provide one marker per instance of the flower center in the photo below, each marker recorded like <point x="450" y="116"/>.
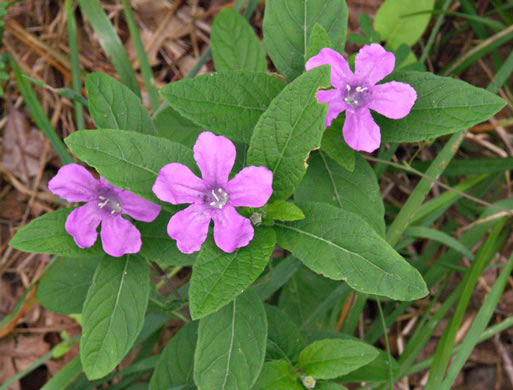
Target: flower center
<point x="216" y="198"/>
<point x="356" y="96"/>
<point x="110" y="204"/>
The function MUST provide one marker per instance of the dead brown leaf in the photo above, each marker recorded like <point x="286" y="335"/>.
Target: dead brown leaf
<point x="21" y="146"/>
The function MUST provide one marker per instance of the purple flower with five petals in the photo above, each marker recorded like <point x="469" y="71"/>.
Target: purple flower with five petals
<point x="357" y="93"/>
<point x="105" y="204"/>
<point x="213" y="196"/>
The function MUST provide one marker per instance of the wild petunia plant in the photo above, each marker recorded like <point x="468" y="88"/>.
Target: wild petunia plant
<point x="293" y="190"/>
<point x="357" y="93"/>
<point x="212" y="197"/>
<point x="105" y="204"/>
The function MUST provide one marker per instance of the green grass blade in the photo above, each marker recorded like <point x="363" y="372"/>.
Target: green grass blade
<point x="402" y="220"/>
<point x="65" y="376"/>
<point x="38" y="115"/>
<point x="144" y="63"/>
<point x="110" y="42"/>
<point x="76" y="81"/>
<point x="437" y="235"/>
<point x="446" y="199"/>
<point x="478" y="326"/>
<point x="502" y="75"/>
<point x="446" y="344"/>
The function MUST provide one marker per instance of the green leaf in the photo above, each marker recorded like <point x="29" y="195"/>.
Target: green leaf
<point x="328" y="359"/>
<point x="235" y="45"/>
<point x="158" y="246"/>
<point x="46" y="234"/>
<point x="334" y="145"/>
<point x="277" y="374"/>
<point x="227" y="103"/>
<point x="284" y="340"/>
<point x="231" y="345"/>
<point x="443" y="106"/>
<point x="171" y="125"/>
<point x="288" y="25"/>
<point x="340" y="245"/>
<point x="113" y="313"/>
<point x="395" y="24"/>
<point x="218" y="277"/>
<point x="330" y="386"/>
<point x="304" y="293"/>
<point x="126" y="159"/>
<point x="376" y="371"/>
<point x="283" y="211"/>
<point x="64" y="286"/>
<point x="289" y="130"/>
<point x="356" y="191"/>
<point x="175" y="366"/>
<point x="113" y="105"/>
<point x="319" y="39"/>
<point x="277" y="276"/>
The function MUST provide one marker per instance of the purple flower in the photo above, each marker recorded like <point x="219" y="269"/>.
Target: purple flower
<point x="212" y="197"/>
<point x="105" y="204"/>
<point x="357" y="93"/>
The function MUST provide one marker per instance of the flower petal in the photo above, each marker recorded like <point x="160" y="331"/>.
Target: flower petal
<point x="215" y="156"/>
<point x="74" y="183"/>
<point x="137" y="207"/>
<point x="82" y="223"/>
<point x="336" y="104"/>
<point x="177" y="184"/>
<point x="341" y="74"/>
<point x="393" y="100"/>
<point x="189" y="228"/>
<point x="373" y="63"/>
<point x="360" y="131"/>
<point x="231" y="230"/>
<point x="119" y="236"/>
<point x="251" y="187"/>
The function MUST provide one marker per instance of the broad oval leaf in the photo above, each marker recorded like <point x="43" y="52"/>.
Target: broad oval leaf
<point x="46" y="234"/>
<point x="63" y="288"/>
<point x="290" y="128"/>
<point x="231" y="345"/>
<point x="127" y="159"/>
<point x="113" y="313"/>
<point x="175" y="366"/>
<point x="288" y="25"/>
<point x="227" y="103"/>
<point x="357" y="191"/>
<point x="334" y="145"/>
<point x="397" y="24"/>
<point x="158" y="246"/>
<point x="444" y="106"/>
<point x="235" y="45"/>
<point x="330" y="358"/>
<point x="319" y="39"/>
<point x="277" y="374"/>
<point x="113" y="105"/>
<point x="284" y="340"/>
<point x="173" y="126"/>
<point x="342" y="246"/>
<point x="304" y="294"/>
<point x="218" y="277"/>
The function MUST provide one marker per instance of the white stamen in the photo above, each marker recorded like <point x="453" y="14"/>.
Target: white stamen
<point x="215" y="196"/>
<point x="212" y="204"/>
<point x="103" y="204"/>
<point x="348" y="87"/>
<point x="356" y="102"/>
<point x="102" y="197"/>
<point x="360" y="89"/>
<point x="220" y="190"/>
